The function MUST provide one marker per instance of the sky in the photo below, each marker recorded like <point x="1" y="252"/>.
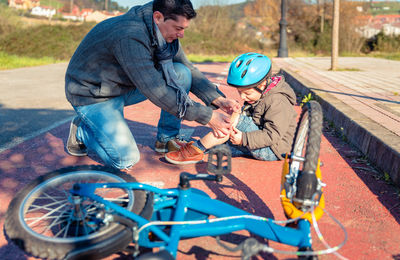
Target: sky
<point x="196" y="3"/>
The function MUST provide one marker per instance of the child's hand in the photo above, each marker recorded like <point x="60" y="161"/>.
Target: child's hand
<point x="236" y="136"/>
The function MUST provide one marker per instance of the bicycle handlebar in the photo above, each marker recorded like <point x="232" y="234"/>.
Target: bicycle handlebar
<point x="185" y="178"/>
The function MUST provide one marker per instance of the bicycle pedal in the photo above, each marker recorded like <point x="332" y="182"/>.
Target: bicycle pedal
<point x="219" y="160"/>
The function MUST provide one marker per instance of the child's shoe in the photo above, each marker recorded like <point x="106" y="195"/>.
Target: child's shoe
<point x="186" y="155"/>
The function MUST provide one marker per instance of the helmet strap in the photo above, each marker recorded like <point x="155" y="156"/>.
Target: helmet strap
<point x="262" y="91"/>
<point x="259" y="90"/>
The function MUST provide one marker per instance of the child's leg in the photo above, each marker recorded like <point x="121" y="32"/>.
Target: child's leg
<point x="209" y="140"/>
<point x="264" y="154"/>
<point x="246" y="124"/>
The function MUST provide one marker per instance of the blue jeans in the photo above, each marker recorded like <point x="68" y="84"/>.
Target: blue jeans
<point x="103" y="128"/>
<point x="246" y="124"/>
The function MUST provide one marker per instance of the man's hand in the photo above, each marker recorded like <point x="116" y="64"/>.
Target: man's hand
<point x="227" y="105"/>
<point x="220" y="124"/>
<point x="236" y="136"/>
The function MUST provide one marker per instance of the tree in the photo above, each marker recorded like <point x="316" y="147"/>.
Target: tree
<point x="351" y="19"/>
<point x="263" y="13"/>
<point x="321" y="6"/>
<point x="304" y="24"/>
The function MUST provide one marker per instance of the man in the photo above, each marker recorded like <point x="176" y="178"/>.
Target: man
<point x="128" y="59"/>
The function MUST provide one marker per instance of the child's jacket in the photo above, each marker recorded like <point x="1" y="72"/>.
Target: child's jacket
<point x="275" y="116"/>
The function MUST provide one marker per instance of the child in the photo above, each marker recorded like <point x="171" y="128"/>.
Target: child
<point x="265" y="128"/>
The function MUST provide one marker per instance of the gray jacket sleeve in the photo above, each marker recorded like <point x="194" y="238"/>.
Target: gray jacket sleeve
<point x="201" y="86"/>
<point x="135" y="57"/>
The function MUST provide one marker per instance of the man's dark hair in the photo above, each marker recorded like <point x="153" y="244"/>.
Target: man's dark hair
<point x="173" y="8"/>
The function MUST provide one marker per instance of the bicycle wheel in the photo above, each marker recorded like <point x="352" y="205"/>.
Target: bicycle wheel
<point x="42" y="221"/>
<point x="306" y="149"/>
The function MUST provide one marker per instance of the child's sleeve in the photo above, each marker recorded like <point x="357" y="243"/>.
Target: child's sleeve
<point x="277" y="119"/>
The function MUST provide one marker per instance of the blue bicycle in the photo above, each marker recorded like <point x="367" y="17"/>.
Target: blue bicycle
<point x="90" y="212"/>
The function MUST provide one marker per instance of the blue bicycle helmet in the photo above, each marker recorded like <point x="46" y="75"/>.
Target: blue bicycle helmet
<point x="248" y="70"/>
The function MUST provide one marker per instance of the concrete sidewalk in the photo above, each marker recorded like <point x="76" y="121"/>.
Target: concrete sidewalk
<point x="361" y="99"/>
<point x="32" y="101"/>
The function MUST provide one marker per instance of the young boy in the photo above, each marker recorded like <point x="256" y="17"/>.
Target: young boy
<point x="265" y="128"/>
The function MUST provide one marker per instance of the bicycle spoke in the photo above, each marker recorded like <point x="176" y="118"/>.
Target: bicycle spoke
<point x="46" y="215"/>
<point x="56" y="221"/>
<point x="49" y="217"/>
<point x="65" y="228"/>
<point x="34" y="208"/>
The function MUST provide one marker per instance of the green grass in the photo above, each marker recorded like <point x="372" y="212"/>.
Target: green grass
<point x="198" y="58"/>
<point x="377" y="8"/>
<point x="55" y="41"/>
<point x="51" y="3"/>
<point x="375" y="54"/>
<point x="389" y="56"/>
<point x="8" y="61"/>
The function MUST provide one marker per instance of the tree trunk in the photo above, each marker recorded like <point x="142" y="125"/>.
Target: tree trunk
<point x="321" y="5"/>
<point x="335" y="34"/>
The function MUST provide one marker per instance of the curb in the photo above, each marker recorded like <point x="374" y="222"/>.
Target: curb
<point x="373" y="140"/>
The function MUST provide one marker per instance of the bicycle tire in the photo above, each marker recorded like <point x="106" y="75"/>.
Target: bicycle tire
<point x="60" y="236"/>
<point x="306" y="144"/>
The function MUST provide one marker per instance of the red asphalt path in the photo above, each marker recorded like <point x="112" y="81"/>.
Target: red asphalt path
<point x="355" y="194"/>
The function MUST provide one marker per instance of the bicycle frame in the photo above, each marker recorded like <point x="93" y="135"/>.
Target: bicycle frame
<point x="190" y="204"/>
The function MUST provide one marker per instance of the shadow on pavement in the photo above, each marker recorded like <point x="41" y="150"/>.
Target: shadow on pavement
<point x="385" y="192"/>
<point x="12" y="252"/>
<point x="37" y="156"/>
<point x="46" y="153"/>
<point x="23" y="163"/>
<point x="17" y="124"/>
<point x="360" y="96"/>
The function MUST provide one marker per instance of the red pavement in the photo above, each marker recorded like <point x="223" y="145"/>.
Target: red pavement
<point x="366" y="205"/>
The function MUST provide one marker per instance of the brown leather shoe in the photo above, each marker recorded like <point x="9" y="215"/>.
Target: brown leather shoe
<point x="172" y="145"/>
<point x="186" y="155"/>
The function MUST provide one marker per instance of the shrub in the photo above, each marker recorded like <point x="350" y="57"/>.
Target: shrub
<point x="382" y="43"/>
<point x="9" y="20"/>
<point x="387" y="43"/>
<point x="55" y="41"/>
<point x="214" y="31"/>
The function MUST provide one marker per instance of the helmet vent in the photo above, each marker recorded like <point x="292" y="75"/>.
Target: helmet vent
<point x="244" y="73"/>
<point x="249" y="61"/>
<point x="239" y="63"/>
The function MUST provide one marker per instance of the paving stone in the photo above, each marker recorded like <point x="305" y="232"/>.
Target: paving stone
<point x="367" y="115"/>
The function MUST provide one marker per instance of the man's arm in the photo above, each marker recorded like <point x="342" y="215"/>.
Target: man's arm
<point x="201" y="86"/>
<point x="134" y="56"/>
<point x="210" y="95"/>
